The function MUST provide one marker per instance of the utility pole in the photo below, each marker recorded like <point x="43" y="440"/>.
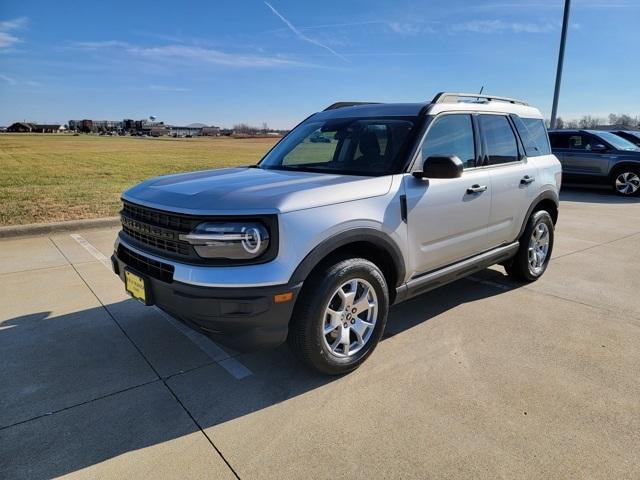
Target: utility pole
<point x="563" y="40"/>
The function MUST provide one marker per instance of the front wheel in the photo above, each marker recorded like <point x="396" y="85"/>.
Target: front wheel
<point x="536" y="244"/>
<point x="626" y="182"/>
<point x="340" y="316"/>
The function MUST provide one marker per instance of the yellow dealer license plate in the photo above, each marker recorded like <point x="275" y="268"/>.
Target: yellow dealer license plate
<point x="135" y="285"/>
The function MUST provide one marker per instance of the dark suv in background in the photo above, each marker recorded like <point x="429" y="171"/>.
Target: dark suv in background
<point x="631" y="135"/>
<point x="598" y="157"/>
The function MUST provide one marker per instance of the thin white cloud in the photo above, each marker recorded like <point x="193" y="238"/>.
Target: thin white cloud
<point x="408" y="28"/>
<point x="302" y="36"/>
<point x="7" y="79"/>
<point x="165" y="88"/>
<point x="211" y="56"/>
<point x="100" y="45"/>
<point x="14" y="24"/>
<point x="8" y="38"/>
<point x="500" y="26"/>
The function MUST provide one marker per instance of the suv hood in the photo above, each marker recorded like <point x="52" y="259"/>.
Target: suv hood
<point x="252" y="190"/>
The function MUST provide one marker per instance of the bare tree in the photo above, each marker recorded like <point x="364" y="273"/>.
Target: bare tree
<point x="265" y="128"/>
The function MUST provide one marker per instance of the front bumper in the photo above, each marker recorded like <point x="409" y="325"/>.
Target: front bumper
<point x="243" y="318"/>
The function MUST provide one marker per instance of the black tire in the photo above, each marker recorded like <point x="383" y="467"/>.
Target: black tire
<point x="306" y="337"/>
<point x="632" y="175"/>
<point x="520" y="268"/>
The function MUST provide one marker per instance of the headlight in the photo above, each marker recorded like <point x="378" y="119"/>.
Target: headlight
<point x="229" y="240"/>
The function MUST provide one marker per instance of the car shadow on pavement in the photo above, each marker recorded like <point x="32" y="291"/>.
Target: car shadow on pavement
<point x="75" y="393"/>
<point x="593" y="194"/>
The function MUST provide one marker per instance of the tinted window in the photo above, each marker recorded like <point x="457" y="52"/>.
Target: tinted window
<point x="451" y="135"/>
<point x="502" y="146"/>
<point x="559" y="140"/>
<point x="533" y="135"/>
<point x="580" y="142"/>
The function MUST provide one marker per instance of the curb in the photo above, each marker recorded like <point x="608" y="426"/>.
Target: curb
<point x="31" y="229"/>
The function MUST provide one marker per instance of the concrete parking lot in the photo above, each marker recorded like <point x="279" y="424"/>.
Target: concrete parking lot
<point x="483" y="378"/>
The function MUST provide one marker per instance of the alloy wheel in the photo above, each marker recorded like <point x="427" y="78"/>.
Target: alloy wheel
<point x="538" y="248"/>
<point x="350" y="317"/>
<point x="628" y="183"/>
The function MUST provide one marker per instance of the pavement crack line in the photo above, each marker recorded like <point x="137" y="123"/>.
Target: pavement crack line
<point x="594" y="246"/>
<point x="159" y="377"/>
<point x="86" y="402"/>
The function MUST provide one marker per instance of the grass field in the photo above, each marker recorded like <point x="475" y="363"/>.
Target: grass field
<point x="46" y="178"/>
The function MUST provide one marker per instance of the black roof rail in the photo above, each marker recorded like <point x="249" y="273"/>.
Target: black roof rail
<point x="337" y="105"/>
<point x="449" y="97"/>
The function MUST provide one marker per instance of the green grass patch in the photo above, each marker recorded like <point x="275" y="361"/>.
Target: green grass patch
<point x="46" y="178"/>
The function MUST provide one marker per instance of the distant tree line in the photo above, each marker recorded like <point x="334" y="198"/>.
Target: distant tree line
<point x="245" y="129"/>
<point x="589" y="121"/>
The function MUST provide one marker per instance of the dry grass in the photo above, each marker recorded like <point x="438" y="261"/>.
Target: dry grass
<point x="47" y="178"/>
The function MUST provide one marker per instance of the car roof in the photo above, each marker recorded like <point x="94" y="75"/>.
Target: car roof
<point x="576" y="130"/>
<point x="442" y="102"/>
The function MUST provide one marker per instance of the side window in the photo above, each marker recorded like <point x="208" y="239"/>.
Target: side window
<point x="559" y="140"/>
<point x="533" y="135"/>
<point x="502" y="146"/>
<point x="581" y="142"/>
<point x="451" y="135"/>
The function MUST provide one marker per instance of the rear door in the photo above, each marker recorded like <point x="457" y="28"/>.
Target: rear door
<point x="446" y="221"/>
<point x="513" y="178"/>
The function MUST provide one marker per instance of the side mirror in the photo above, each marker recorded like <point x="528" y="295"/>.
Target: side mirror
<point x="598" y="147"/>
<point x="440" y="166"/>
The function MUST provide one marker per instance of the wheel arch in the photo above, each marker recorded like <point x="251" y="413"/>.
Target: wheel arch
<point x="373" y="245"/>
<point x="616" y="168"/>
<point x="547" y="200"/>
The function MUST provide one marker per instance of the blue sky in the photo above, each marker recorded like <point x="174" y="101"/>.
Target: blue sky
<point x="222" y="62"/>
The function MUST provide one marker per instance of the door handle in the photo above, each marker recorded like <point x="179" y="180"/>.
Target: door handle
<point x="526" y="180"/>
<point x="476" y="189"/>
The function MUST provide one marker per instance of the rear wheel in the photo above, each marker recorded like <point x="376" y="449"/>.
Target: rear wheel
<point x="340" y="316"/>
<point x="536" y="244"/>
<point x="626" y="182"/>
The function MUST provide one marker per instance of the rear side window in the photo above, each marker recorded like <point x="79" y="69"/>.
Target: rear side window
<point x="451" y="135"/>
<point x="559" y="140"/>
<point x="502" y="146"/>
<point x="533" y="135"/>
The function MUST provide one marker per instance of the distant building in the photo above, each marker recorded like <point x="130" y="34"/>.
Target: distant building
<point x="176" y="131"/>
<point x="48" y="128"/>
<point x="211" y="131"/>
<point x="20" y="127"/>
<point x="23" y="127"/>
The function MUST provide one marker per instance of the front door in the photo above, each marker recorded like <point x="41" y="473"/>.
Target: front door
<point x="584" y="159"/>
<point x="447" y="218"/>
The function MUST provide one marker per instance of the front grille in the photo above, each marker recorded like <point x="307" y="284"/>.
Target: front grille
<point x="158" y="230"/>
<point x="179" y="248"/>
<point x="153" y="268"/>
<point x="158" y="218"/>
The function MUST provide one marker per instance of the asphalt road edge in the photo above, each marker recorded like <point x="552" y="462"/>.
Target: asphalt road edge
<point x="32" y="229"/>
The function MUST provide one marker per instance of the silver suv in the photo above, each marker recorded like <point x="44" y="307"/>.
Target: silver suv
<point x="361" y="206"/>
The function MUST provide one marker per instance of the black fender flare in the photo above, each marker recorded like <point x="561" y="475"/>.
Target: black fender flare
<point x="376" y="237"/>
<point x="546" y="195"/>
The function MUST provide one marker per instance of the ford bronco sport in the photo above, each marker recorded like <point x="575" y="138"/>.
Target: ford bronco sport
<point x="314" y="243"/>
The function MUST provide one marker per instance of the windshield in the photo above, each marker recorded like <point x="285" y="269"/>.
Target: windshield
<point x="618" y="142"/>
<point x="352" y="146"/>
